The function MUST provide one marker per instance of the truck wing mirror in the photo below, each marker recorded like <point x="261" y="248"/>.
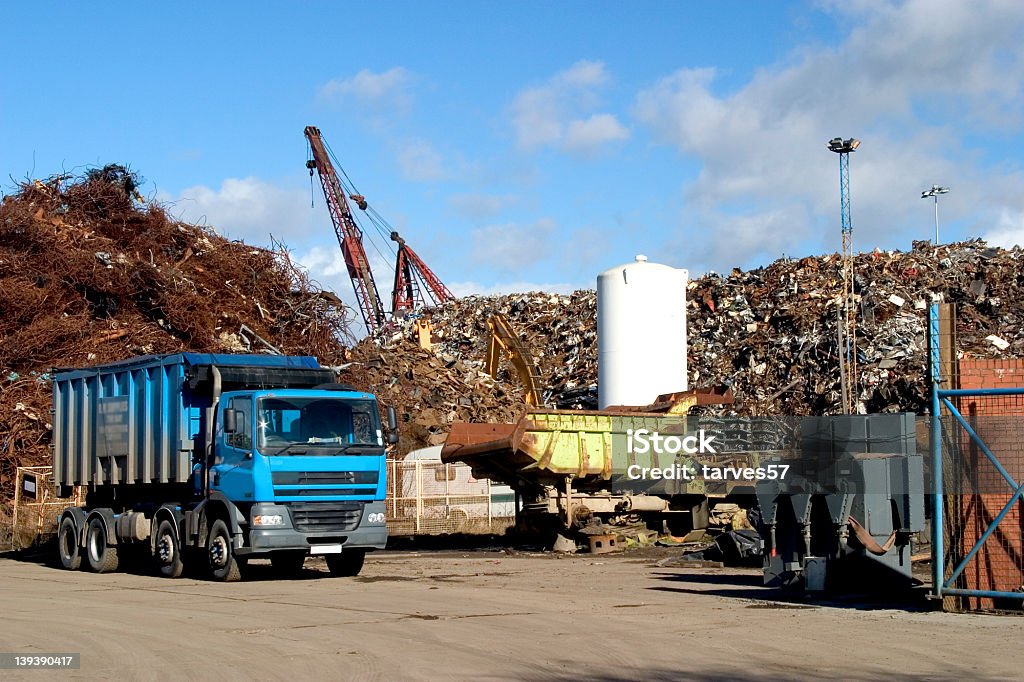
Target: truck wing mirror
<point x="230" y="420"/>
<point x="392" y="425"/>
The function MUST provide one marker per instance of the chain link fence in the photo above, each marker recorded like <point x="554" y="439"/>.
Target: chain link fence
<point x="428" y="497"/>
<point x="424" y="497"/>
<point x="979" y="487"/>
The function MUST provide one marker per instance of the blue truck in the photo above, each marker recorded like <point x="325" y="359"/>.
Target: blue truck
<point x="210" y="460"/>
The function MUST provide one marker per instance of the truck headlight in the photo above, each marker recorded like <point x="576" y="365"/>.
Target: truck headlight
<point x="268" y="520"/>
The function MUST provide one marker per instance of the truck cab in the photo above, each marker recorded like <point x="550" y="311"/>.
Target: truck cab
<point x="307" y="466"/>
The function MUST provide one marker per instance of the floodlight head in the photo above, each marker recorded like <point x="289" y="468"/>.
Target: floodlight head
<point x="934" y="191"/>
<point x="841" y="146"/>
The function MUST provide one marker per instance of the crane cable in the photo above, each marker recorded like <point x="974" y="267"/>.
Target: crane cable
<point x="375" y="219"/>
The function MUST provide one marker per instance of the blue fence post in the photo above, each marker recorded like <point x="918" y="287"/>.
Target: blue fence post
<point x="938" y="560"/>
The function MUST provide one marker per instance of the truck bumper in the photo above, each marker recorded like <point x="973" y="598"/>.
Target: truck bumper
<point x="366" y="535"/>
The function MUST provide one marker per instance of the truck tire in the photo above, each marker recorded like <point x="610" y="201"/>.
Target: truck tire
<point x="67" y="544"/>
<point x="99" y="554"/>
<point x="346" y="564"/>
<point x="287" y="564"/>
<point x="167" y="551"/>
<point x="220" y="555"/>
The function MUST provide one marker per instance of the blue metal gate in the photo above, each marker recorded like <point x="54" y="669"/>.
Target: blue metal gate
<point x="977" y="464"/>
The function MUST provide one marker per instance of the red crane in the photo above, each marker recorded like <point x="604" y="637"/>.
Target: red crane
<point x="350" y="237"/>
<point x="413" y="279"/>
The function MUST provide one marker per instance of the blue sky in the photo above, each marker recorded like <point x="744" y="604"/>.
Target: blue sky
<point x="529" y="145"/>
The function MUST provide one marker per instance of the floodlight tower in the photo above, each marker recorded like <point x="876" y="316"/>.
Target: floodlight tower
<point x="934" y="192"/>
<point x="848" y="328"/>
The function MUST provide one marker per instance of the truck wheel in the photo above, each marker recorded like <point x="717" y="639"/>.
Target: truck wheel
<point x="223" y="564"/>
<point x="167" y="551"/>
<point x="67" y="544"/>
<point x="99" y="554"/>
<point x="346" y="564"/>
<point x="287" y="563"/>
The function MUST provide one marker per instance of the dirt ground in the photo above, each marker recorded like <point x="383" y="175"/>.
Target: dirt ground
<point x="486" y="615"/>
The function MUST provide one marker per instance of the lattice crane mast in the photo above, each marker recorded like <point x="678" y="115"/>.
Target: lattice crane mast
<point x="848" y="321"/>
<point x="350" y="237"/>
<point x="415" y="283"/>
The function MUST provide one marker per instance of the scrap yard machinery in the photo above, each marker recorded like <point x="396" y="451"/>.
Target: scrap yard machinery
<point x="416" y="286"/>
<point x="415" y="283"/>
<point x="566" y="466"/>
<point x="845" y="511"/>
<point x="504" y="341"/>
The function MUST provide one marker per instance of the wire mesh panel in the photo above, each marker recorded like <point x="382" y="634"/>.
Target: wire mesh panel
<point x="428" y="497"/>
<point x="981" y="474"/>
<point x="34" y="513"/>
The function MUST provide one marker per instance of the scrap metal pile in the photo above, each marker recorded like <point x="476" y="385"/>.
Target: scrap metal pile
<point x="90" y="273"/>
<point x="770" y="334"/>
<point x="433" y="388"/>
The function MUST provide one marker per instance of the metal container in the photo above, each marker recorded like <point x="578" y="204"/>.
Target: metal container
<point x="641" y="333"/>
<point x="140" y="421"/>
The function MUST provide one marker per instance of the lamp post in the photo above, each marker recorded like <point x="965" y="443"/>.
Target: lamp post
<point x="934" y="192"/>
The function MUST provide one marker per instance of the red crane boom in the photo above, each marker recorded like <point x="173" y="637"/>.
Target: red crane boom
<point x="412" y="279"/>
<point x="350" y="237"/>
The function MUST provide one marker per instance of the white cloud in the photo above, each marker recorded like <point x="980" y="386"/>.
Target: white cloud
<point x="326" y="267"/>
<point x="481" y="206"/>
<point x="389" y="89"/>
<point x="555" y="113"/>
<point x="1009" y="231"/>
<point x="762" y="146"/>
<point x="421" y="162"/>
<point x="765" y="234"/>
<point x="511" y="247"/>
<point x="587" y="136"/>
<point x="250" y="209"/>
<point x="582" y="74"/>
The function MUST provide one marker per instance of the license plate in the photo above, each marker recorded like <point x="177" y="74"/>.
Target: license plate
<point x="325" y="549"/>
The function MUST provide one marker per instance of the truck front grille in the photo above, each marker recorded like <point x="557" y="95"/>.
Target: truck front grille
<point x="323" y="477"/>
<point x="326" y="517"/>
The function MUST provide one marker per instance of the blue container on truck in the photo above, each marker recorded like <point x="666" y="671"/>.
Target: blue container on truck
<point x="218" y="459"/>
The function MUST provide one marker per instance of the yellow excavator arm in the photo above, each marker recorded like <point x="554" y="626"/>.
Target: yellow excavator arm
<point x="505" y="341"/>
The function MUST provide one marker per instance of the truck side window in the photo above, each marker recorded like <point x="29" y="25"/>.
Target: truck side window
<point x="242" y="438"/>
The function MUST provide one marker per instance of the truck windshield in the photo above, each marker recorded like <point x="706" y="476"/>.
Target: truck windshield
<point x="299" y="424"/>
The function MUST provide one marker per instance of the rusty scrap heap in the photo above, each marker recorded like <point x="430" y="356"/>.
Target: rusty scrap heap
<point x="431" y="389"/>
<point x="769" y="334"/>
<point x="90" y="273"/>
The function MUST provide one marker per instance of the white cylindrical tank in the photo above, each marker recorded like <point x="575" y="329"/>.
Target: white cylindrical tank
<point x="641" y="333"/>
